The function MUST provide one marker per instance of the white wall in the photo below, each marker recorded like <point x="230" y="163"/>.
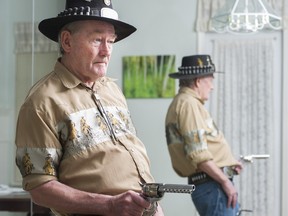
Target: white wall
<point x="13" y="11"/>
<point x="284" y="148"/>
<point x="164" y="27"/>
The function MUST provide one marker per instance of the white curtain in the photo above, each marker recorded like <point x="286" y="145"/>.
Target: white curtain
<point x="34" y="59"/>
<point x="24" y="37"/>
<point x="242" y="106"/>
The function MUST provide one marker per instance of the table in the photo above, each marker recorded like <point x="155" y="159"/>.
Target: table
<point x="21" y="202"/>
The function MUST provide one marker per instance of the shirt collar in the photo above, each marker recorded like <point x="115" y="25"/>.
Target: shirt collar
<point x="191" y="92"/>
<point x="70" y="81"/>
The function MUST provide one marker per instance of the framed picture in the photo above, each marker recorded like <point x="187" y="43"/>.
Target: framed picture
<point x="147" y="76"/>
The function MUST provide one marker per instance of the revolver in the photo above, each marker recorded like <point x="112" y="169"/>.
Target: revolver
<point x="154" y="192"/>
<point x="249" y="158"/>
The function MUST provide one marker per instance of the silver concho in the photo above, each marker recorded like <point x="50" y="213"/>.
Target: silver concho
<point x="107" y="2"/>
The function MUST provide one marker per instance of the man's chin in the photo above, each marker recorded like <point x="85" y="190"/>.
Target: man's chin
<point x="100" y="71"/>
<point x="100" y="74"/>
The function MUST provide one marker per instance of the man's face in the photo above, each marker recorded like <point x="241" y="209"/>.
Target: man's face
<point x="89" y="49"/>
<point x="205" y="86"/>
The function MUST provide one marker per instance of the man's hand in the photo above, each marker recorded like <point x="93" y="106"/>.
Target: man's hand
<point x="214" y="172"/>
<point x="128" y="204"/>
<point x="231" y="193"/>
<point x="75" y="201"/>
<point x="238" y="168"/>
<point x="159" y="211"/>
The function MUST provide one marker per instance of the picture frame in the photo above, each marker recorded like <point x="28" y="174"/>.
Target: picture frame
<point x="147" y="76"/>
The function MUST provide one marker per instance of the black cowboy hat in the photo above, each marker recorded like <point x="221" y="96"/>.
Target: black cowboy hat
<point x="194" y="66"/>
<point x="77" y="10"/>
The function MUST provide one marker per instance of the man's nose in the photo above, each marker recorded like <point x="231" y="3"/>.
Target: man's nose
<point x="105" y="47"/>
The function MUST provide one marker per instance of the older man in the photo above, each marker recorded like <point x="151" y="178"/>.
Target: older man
<point x="77" y="149"/>
<point x="197" y="148"/>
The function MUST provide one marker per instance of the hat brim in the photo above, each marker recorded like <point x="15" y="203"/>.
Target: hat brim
<point x="178" y="75"/>
<point x="51" y="27"/>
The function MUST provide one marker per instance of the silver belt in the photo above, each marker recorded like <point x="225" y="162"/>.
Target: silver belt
<point x="202" y="177"/>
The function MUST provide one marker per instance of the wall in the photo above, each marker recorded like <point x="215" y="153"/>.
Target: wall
<point x="164" y="27"/>
<point x="284" y="122"/>
<point x="13" y="11"/>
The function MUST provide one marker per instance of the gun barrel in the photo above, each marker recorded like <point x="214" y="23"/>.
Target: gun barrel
<point x="176" y="188"/>
<point x="155" y="191"/>
<point x="249" y="158"/>
<point x="263" y="156"/>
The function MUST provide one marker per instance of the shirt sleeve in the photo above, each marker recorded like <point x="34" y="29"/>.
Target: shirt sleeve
<point x="38" y="150"/>
<point x="194" y="132"/>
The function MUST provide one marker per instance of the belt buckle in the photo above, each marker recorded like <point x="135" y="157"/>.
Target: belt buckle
<point x="228" y="171"/>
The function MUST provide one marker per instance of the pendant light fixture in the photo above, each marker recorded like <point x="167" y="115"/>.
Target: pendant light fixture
<point x="245" y="16"/>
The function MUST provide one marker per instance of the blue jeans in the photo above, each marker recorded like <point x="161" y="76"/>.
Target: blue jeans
<point x="210" y="200"/>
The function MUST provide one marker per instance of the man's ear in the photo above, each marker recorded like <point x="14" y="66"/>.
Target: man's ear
<point x="66" y="41"/>
<point x="196" y="82"/>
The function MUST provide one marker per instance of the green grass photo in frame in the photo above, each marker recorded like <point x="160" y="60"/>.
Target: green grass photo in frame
<point x="147" y="76"/>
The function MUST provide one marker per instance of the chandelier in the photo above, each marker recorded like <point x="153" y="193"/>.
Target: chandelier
<point x="245" y="16"/>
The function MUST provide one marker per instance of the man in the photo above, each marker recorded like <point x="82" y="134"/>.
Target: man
<point x="77" y="149"/>
<point x="197" y="148"/>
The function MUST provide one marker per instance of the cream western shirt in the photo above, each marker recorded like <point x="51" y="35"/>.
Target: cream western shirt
<point x="63" y="134"/>
<point x="192" y="135"/>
